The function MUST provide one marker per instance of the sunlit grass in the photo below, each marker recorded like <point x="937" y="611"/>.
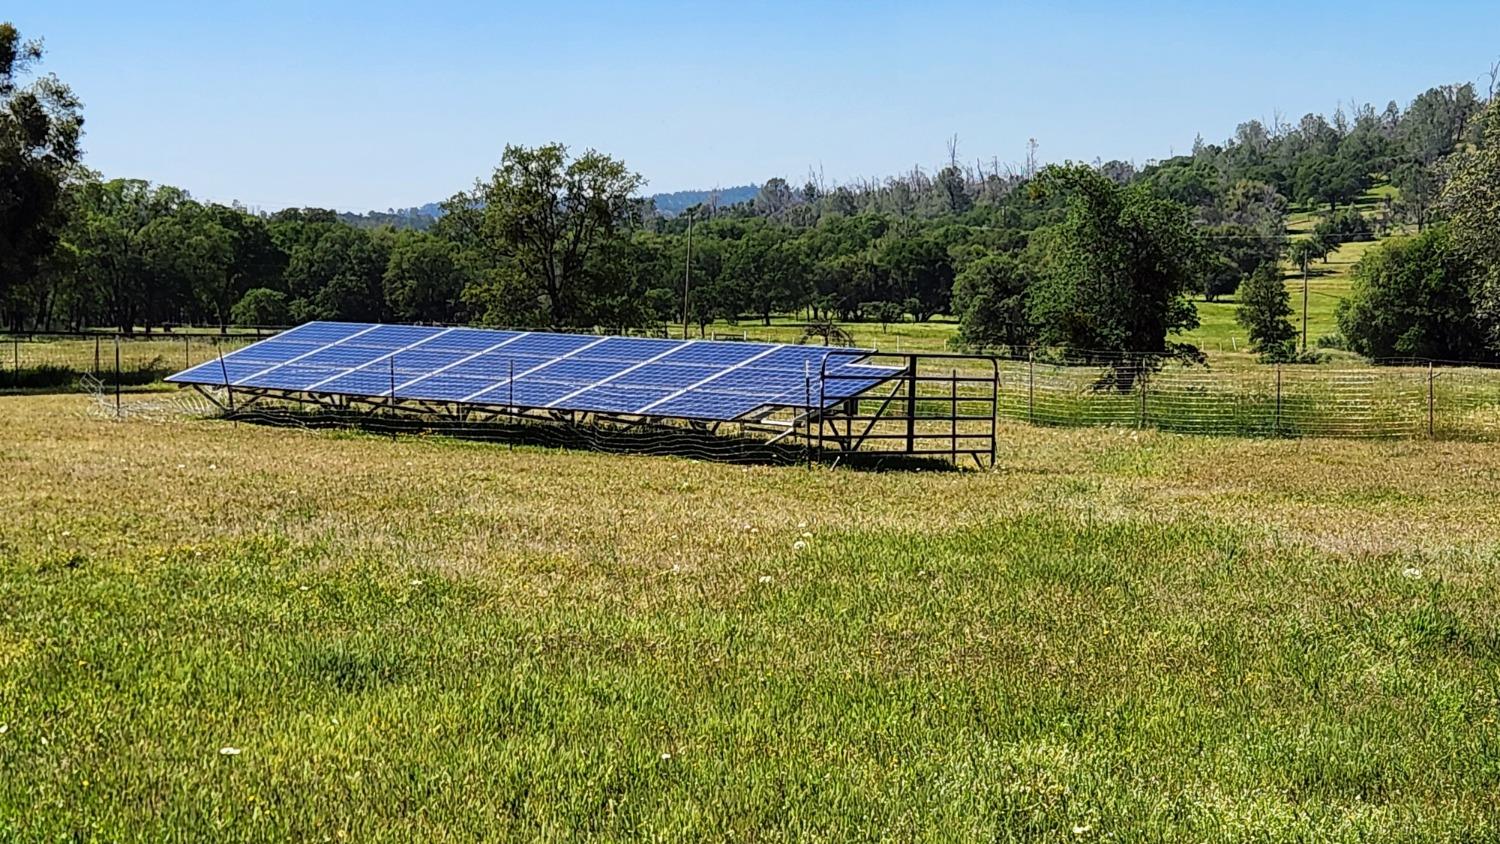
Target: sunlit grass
<point x="1122" y="636"/>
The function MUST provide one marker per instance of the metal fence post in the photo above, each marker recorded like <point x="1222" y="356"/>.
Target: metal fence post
<point x="953" y="412"/>
<point x="1031" y="388"/>
<point x="224" y="370"/>
<point x="1431" y="400"/>
<point x="1141" y="376"/>
<point x="117" y="376"/>
<point x="911" y="403"/>
<point x="187" y="351"/>
<point x="96" y="355"/>
<point x="1276" y="422"/>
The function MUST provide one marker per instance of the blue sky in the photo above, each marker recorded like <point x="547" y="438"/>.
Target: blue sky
<point x="359" y="105"/>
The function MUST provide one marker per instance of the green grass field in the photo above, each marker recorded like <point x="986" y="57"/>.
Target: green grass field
<point x="234" y="632"/>
<point x="1328" y="283"/>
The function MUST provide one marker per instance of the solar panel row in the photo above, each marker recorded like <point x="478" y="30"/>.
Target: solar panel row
<point x="691" y="379"/>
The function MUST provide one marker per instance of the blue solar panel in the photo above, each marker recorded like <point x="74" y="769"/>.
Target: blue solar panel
<point x="696" y="379"/>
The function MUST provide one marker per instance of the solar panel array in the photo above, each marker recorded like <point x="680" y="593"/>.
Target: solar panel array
<point x="689" y="379"/>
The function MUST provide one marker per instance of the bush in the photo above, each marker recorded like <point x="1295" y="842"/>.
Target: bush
<point x="1413" y="297"/>
<point x="1347" y="226"/>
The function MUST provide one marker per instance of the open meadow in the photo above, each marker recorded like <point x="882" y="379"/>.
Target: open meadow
<point x="236" y="632"/>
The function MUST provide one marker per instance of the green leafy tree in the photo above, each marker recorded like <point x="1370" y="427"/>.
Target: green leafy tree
<point x="1264" y="311"/>
<point x="333" y="271"/>
<point x="40" y="126"/>
<point x="119" y="239"/>
<point x="1115" y="275"/>
<point x="884" y="313"/>
<point x="1237" y="250"/>
<point x="1413" y="297"/>
<point x="989" y="298"/>
<point x="545" y="213"/>
<point x="919" y="272"/>
<point x="356" y="291"/>
<point x="1418" y="187"/>
<point x="770" y="273"/>
<point x="424" y="279"/>
<point x="1472" y="201"/>
<point x="261" y="306"/>
<point x="774" y="197"/>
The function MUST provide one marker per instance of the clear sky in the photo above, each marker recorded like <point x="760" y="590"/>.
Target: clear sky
<point x="373" y="104"/>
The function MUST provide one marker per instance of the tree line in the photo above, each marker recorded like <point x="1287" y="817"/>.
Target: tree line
<point x="1104" y="258"/>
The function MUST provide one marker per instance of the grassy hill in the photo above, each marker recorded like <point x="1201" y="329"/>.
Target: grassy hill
<point x="1328" y="284"/>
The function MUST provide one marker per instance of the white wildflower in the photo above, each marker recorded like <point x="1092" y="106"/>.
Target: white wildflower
<point x="4" y="728"/>
<point x="416" y="582"/>
<point x="1411" y="573"/>
<point x="807" y="535"/>
<point x="229" y="751"/>
<point x="798" y="545"/>
<point x="1082" y="828"/>
<point x="801" y="525"/>
<point x="765" y="578"/>
<point x="666" y="756"/>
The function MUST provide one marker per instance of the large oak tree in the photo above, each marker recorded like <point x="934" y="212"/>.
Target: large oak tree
<point x="40" y="126"/>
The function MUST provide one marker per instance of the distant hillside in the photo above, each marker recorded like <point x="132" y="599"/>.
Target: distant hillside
<point x="672" y="204"/>
<point x="420" y="218"/>
<point x="667" y="204"/>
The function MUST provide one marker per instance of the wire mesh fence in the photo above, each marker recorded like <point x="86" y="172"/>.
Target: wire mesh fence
<point x="1368" y="402"/>
<point x="43" y="361"/>
<point x="1396" y="399"/>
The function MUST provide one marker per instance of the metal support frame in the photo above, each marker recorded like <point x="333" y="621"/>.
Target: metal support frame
<point x="949" y="414"/>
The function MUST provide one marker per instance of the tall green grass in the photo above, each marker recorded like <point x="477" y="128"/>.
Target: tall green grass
<point x="1040" y="678"/>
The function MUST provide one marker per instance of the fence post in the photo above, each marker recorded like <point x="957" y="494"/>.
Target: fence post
<point x="224" y="370"/>
<point x="15" y="357"/>
<point x="1031" y="387"/>
<point x="187" y="351"/>
<point x="390" y="404"/>
<point x="807" y="446"/>
<point x="911" y="403"/>
<point x="1276" y="422"/>
<point x="1431" y="400"/>
<point x="117" y="376"/>
<point x="953" y="412"/>
<point x="96" y="355"/>
<point x="1141" y="376"/>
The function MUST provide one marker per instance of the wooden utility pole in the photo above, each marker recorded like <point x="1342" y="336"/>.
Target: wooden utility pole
<point x="687" y="276"/>
<point x="1304" y="307"/>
